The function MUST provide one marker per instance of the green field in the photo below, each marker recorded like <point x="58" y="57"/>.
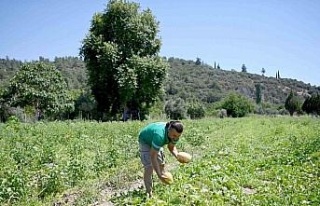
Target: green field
<point x="245" y="161"/>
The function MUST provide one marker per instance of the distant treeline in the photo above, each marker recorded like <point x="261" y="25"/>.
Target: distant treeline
<point x="190" y="83"/>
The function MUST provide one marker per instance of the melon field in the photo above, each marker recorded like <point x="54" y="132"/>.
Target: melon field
<point x="246" y="161"/>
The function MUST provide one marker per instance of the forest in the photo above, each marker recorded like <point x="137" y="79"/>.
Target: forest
<point x="192" y="89"/>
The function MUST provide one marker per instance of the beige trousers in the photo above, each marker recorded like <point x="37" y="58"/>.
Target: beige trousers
<point x="145" y="157"/>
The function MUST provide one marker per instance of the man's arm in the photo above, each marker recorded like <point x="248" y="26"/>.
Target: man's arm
<point x="154" y="161"/>
<point x="172" y="148"/>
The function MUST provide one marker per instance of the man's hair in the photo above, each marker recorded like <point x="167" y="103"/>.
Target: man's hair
<point x="175" y="124"/>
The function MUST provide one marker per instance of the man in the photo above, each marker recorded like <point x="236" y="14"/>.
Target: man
<point x="152" y="138"/>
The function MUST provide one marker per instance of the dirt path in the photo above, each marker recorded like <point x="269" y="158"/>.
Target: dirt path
<point x="107" y="193"/>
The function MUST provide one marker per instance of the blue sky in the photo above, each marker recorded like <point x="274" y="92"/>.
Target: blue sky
<point x="275" y="35"/>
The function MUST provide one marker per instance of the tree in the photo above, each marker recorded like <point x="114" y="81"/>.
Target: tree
<point x="259" y="93"/>
<point x="121" y="56"/>
<point x="195" y="109"/>
<point x="307" y="105"/>
<point x="175" y="108"/>
<point x="198" y="61"/>
<point x="292" y="103"/>
<point x="243" y="68"/>
<point x="85" y="105"/>
<point x="263" y="71"/>
<point x="278" y="75"/>
<point x="171" y="88"/>
<point x="4" y="106"/>
<point x="311" y="105"/>
<point x="237" y="105"/>
<point x="41" y="87"/>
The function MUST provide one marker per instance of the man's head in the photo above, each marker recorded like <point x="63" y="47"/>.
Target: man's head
<point x="175" y="129"/>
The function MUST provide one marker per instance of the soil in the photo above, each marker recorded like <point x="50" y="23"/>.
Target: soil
<point x="106" y="193"/>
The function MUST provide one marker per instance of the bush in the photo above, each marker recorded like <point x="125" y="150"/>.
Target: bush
<point x="292" y="103"/>
<point x="196" y="110"/>
<point x="175" y="108"/>
<point x="283" y="112"/>
<point x="237" y="105"/>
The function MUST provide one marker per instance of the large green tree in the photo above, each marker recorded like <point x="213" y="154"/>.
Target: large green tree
<point x="121" y="56"/>
<point x="40" y="87"/>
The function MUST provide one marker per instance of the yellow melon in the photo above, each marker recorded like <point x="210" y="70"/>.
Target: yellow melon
<point x="184" y="157"/>
<point x="168" y="177"/>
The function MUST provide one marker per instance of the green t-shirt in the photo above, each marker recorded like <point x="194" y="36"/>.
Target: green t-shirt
<point x="155" y="135"/>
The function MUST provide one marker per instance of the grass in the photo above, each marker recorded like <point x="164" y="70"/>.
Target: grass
<point x="246" y="161"/>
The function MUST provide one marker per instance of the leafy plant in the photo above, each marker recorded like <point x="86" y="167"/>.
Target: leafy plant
<point x="195" y="110"/>
<point x="292" y="104"/>
<point x="40" y="86"/>
<point x="13" y="185"/>
<point x="121" y="53"/>
<point x="49" y="181"/>
<point x="237" y="105"/>
<point x="247" y="161"/>
<point x="175" y="108"/>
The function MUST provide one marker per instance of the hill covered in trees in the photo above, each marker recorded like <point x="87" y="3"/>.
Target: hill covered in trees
<point x="187" y="80"/>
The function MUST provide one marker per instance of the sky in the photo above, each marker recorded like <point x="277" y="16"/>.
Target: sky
<point x="275" y="35"/>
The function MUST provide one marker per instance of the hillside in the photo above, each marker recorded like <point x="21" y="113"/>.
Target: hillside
<point x="186" y="79"/>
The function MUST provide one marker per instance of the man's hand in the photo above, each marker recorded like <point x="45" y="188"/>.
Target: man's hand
<point x="166" y="178"/>
<point x="163" y="179"/>
<point x="184" y="157"/>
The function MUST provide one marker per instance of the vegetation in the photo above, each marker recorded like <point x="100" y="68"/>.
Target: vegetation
<point x="292" y="103"/>
<point x="175" y="108"/>
<point x="255" y="160"/>
<point x="312" y="104"/>
<point x="40" y="90"/>
<point x="243" y="68"/>
<point x="237" y="105"/>
<point x="120" y="76"/>
<point x="186" y="80"/>
<point x="259" y="93"/>
<point x="121" y="56"/>
<point x="196" y="110"/>
<point x="247" y="161"/>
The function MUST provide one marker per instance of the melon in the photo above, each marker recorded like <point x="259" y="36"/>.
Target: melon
<point x="168" y="177"/>
<point x="184" y="157"/>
